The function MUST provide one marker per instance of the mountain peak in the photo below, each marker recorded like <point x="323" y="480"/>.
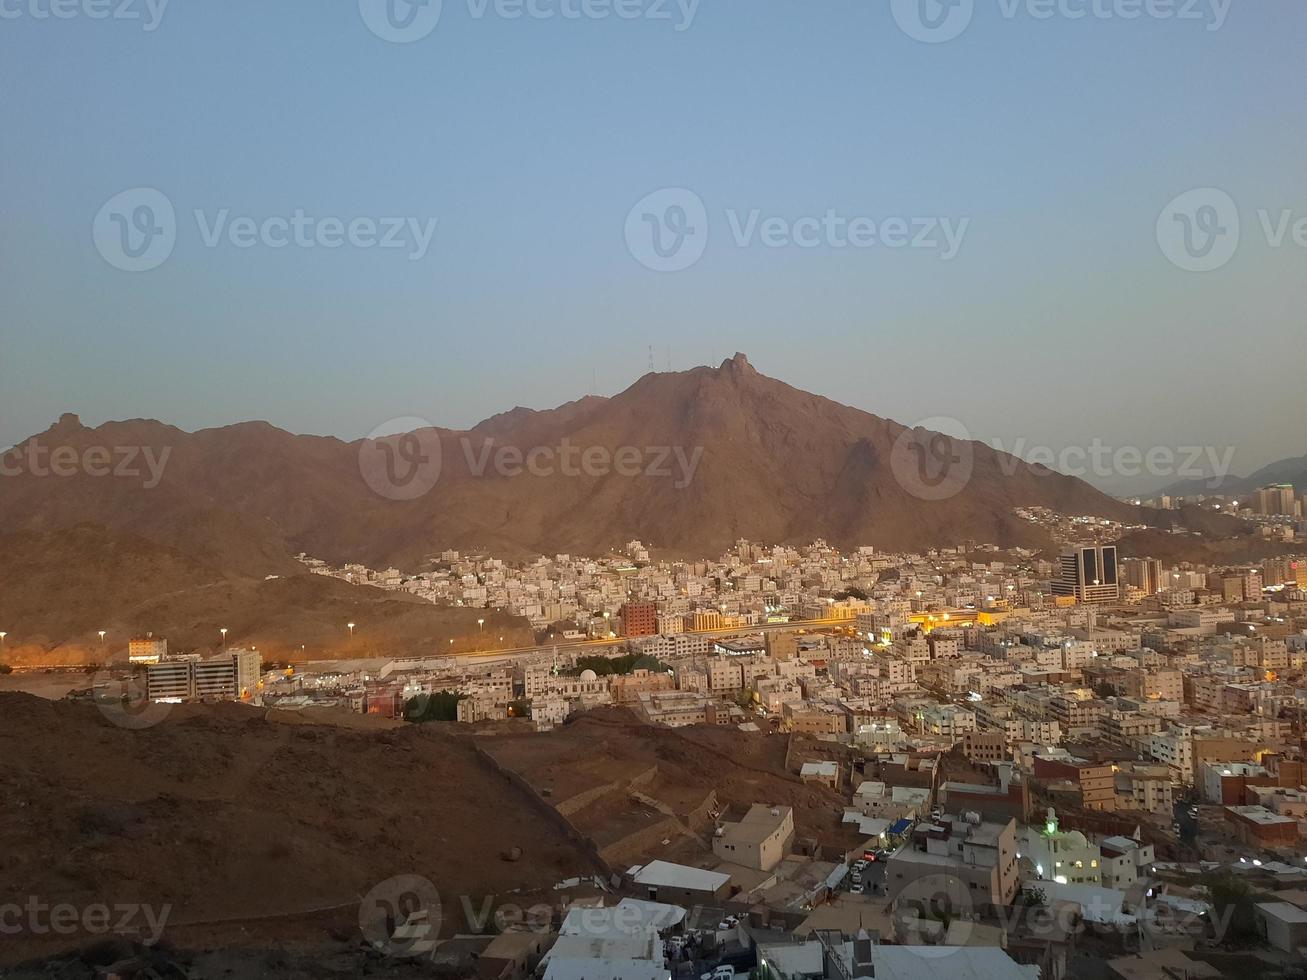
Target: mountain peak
<point x="68" y="422"/>
<point x="739" y="364"/>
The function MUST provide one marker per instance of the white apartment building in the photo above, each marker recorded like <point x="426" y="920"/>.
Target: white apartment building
<point x="947" y="721"/>
<point x="1124" y="861"/>
<point x="1175" y="750"/>
<point x="725" y="674"/>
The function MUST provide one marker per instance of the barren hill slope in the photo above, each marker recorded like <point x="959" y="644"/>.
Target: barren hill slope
<point x="687" y="461"/>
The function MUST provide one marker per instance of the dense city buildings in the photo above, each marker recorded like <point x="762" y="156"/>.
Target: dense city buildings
<point x="1003" y="727"/>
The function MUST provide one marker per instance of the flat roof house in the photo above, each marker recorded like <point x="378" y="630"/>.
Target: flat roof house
<point x="662" y="881"/>
<point x="760" y="840"/>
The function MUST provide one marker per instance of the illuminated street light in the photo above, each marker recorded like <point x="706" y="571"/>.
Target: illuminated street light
<point x="102" y="632"/>
<point x="223" y="631"/>
<point x="351" y="629"/>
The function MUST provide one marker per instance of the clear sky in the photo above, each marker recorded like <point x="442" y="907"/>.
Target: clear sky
<point x="1058" y="140"/>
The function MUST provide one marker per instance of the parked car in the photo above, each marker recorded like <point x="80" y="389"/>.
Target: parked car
<point x="856" y="888"/>
<point x="721" y="973"/>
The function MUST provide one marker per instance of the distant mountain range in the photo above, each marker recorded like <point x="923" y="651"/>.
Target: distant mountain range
<point x="1292" y="470"/>
<point x="687" y="462"/>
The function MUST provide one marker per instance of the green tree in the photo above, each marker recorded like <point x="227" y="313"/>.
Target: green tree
<point x="608" y="666"/>
<point x="1034" y="897"/>
<point x="1233" y="902"/>
<point x="442" y="706"/>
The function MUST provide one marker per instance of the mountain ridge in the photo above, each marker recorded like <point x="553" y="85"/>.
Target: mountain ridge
<point x="715" y="454"/>
<point x="1291" y="469"/>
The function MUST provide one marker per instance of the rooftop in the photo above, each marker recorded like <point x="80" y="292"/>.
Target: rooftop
<point x="1284" y="911"/>
<point x="1260" y="815"/>
<point x="664" y="874"/>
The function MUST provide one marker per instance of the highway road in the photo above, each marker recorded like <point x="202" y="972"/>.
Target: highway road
<point x="492" y="656"/>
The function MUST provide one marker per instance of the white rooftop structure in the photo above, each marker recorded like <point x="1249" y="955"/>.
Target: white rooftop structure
<point x="1105" y="905"/>
<point x="902" y="962"/>
<point x="955" y="962"/>
<point x="630" y="917"/>
<point x="1284" y="911"/>
<point x="868" y="826"/>
<point x="664" y="874"/>
<point x="574" y="968"/>
<point x="827" y="770"/>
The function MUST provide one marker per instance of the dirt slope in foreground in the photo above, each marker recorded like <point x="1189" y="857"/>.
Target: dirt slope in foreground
<point x="223" y="814"/>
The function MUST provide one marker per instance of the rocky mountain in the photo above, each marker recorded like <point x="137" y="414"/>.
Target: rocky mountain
<point x="688" y="462"/>
<point x="1292" y="470"/>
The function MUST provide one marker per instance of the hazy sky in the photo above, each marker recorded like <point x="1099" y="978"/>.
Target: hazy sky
<point x="1050" y="145"/>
